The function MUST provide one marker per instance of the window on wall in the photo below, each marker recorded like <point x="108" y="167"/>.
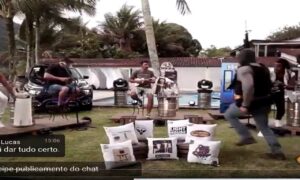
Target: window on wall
<point x="228" y="75"/>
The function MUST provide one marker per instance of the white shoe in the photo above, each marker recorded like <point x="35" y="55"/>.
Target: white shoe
<point x="1" y="125"/>
<point x="277" y="123"/>
<point x="260" y="134"/>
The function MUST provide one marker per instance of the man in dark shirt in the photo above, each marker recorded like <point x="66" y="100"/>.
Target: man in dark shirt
<point x="253" y="85"/>
<point x="59" y="79"/>
<point x="143" y="78"/>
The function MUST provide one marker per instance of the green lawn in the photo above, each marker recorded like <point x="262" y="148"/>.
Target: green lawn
<point x="235" y="161"/>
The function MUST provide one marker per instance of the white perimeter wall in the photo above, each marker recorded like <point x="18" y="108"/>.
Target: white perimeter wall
<point x="188" y="77"/>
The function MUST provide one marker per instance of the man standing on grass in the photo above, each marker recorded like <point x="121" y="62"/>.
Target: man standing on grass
<point x="252" y="95"/>
<point x="143" y="78"/>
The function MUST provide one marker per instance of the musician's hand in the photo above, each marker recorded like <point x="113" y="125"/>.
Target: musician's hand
<point x="71" y="79"/>
<point x="243" y="109"/>
<point x="147" y="80"/>
<point x="137" y="81"/>
<point x="66" y="79"/>
<point x="140" y="81"/>
<point x="152" y="80"/>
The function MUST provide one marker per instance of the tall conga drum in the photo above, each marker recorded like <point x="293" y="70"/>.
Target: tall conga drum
<point x="23" y="112"/>
<point x="167" y="107"/>
<point x="293" y="113"/>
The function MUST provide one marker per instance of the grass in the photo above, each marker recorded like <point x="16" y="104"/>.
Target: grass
<point x="247" y="161"/>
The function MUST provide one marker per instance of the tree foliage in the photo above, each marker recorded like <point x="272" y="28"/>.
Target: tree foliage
<point x="285" y="33"/>
<point x="120" y="28"/>
<point x="174" y="40"/>
<point x="120" y="35"/>
<point x="125" y="33"/>
<point x="183" y="7"/>
<point x="37" y="12"/>
<point x="215" y="52"/>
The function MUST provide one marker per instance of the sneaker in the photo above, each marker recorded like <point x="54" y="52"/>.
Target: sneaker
<point x="260" y="134"/>
<point x="148" y="116"/>
<point x="1" y="125"/>
<point x="277" y="123"/>
<point x="276" y="156"/>
<point x="246" y="141"/>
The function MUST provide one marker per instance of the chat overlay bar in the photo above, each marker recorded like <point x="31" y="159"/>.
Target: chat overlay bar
<point x="33" y="146"/>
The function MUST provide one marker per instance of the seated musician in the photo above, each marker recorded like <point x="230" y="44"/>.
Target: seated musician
<point x="143" y="78"/>
<point x="59" y="81"/>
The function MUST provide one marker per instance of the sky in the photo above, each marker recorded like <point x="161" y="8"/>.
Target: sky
<point x="216" y="22"/>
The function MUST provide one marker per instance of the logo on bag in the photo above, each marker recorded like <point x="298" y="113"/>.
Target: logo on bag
<point x="117" y="138"/>
<point x="178" y="130"/>
<point x="121" y="154"/>
<point x="124" y="135"/>
<point x="200" y="133"/>
<point x="141" y="130"/>
<point x="201" y="151"/>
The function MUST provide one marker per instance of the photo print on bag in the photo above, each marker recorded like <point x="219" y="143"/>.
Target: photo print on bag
<point x="162" y="146"/>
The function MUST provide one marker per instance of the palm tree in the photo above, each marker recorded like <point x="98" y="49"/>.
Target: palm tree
<point x="26" y="33"/>
<point x="50" y="11"/>
<point x="87" y="6"/>
<point x="182" y="6"/>
<point x="75" y="39"/>
<point x="34" y="10"/>
<point x="7" y="12"/>
<point x="122" y="26"/>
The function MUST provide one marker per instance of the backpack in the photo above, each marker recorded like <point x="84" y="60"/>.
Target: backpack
<point x="262" y="86"/>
